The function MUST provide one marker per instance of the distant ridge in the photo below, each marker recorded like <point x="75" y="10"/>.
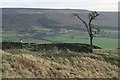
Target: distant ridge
<point x="57" y="18"/>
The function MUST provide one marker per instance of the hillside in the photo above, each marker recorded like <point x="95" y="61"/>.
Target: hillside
<point x="57" y="26"/>
<point x="25" y="64"/>
<point x="57" y="63"/>
<point x="53" y="18"/>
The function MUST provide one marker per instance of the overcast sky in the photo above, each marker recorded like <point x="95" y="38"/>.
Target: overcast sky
<point x="96" y="5"/>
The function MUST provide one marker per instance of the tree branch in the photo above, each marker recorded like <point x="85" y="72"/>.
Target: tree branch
<point x="83" y="22"/>
<point x="92" y="16"/>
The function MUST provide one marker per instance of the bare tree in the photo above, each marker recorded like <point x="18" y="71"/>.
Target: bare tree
<point x="92" y="31"/>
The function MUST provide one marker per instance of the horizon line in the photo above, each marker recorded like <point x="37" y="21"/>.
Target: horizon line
<point x="60" y="9"/>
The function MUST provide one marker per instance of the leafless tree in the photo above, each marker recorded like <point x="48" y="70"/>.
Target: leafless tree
<point x="92" y="31"/>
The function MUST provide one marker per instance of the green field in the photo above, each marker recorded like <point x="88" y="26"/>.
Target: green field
<point x="72" y="36"/>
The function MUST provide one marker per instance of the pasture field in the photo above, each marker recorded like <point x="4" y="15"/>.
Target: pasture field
<point x="106" y="39"/>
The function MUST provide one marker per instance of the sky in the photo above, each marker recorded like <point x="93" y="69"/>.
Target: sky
<point x="94" y="5"/>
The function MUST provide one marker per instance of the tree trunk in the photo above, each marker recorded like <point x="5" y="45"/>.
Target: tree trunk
<point x="91" y="41"/>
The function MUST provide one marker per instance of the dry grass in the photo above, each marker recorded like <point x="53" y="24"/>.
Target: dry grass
<point x="26" y="65"/>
